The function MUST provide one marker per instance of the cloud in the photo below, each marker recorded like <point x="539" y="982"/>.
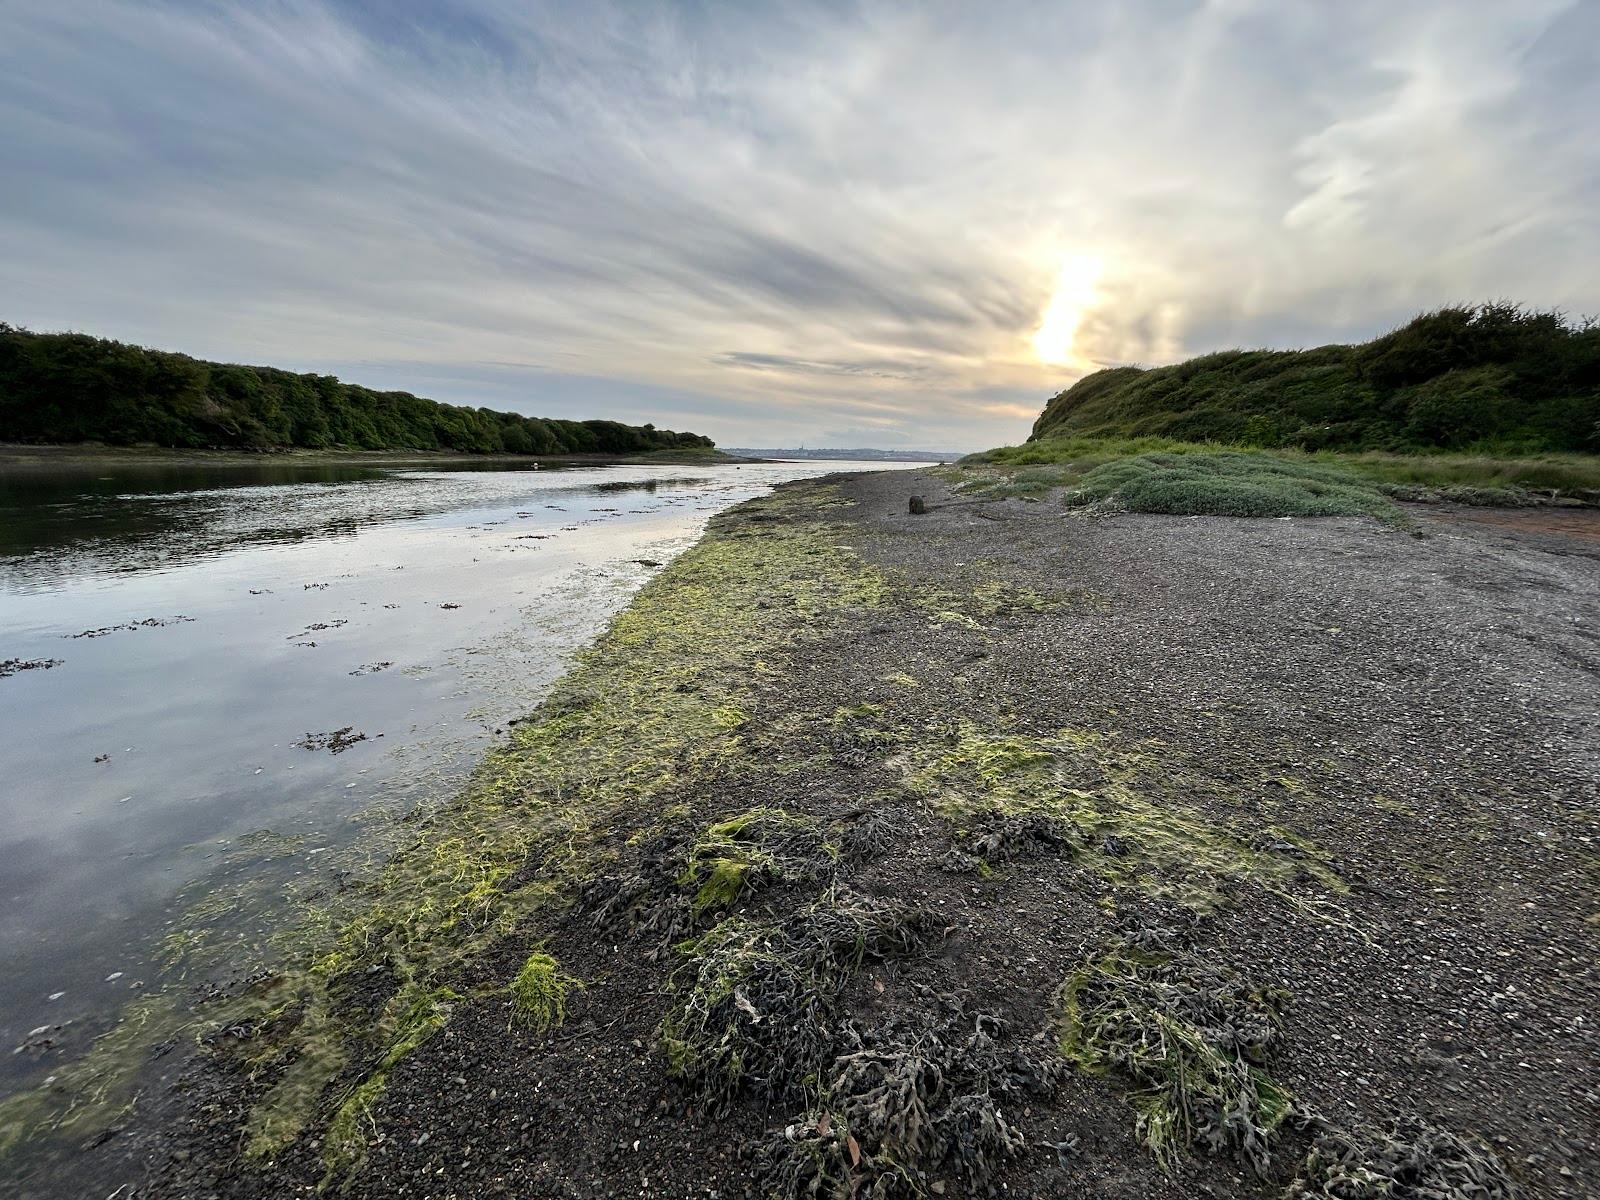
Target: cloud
<point x="771" y="222"/>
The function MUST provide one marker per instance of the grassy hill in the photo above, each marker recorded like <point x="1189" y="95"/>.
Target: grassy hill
<point x="1491" y="378"/>
<point x="70" y="387"/>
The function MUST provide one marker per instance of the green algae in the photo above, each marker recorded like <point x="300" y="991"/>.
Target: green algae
<point x="410" y="1019"/>
<point x="1189" y="1041"/>
<point x="1132" y="803"/>
<point x="539" y="992"/>
<point x="741" y="854"/>
<point x="92" y="1092"/>
<point x="657" y="707"/>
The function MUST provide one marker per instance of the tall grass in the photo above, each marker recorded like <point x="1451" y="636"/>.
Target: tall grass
<point x="1560" y="473"/>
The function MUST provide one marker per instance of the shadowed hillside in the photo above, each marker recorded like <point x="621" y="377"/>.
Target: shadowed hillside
<point x="1495" y="376"/>
<point x="70" y="387"/>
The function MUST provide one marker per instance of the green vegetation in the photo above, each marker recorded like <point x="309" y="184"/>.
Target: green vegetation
<point x="1229" y="484"/>
<point x="1189" y="1040"/>
<point x="757" y="1000"/>
<point x="1032" y="470"/>
<point x="1409" y="1158"/>
<point x="1133" y="812"/>
<point x="1493" y="377"/>
<point x="356" y="985"/>
<point x="739" y="855"/>
<point x="539" y="992"/>
<point x="70" y="387"/>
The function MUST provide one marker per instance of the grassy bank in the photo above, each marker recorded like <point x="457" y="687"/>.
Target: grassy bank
<point x="1088" y="471"/>
<point x="1493" y="378"/>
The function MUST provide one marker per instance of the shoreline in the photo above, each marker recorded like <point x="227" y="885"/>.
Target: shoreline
<point x="844" y="785"/>
<point x="21" y="458"/>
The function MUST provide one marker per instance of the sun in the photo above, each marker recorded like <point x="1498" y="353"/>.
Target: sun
<point x="1073" y="295"/>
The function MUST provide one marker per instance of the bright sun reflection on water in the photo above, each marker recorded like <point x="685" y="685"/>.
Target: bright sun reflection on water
<point x="1074" y="293"/>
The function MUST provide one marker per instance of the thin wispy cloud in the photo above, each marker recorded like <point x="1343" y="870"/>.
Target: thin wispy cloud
<point x="906" y="224"/>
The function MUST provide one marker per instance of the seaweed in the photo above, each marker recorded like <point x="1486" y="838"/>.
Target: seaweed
<point x="757" y="1001"/>
<point x="918" y="1096"/>
<point x="743" y="853"/>
<point x="539" y="992"/>
<point x="1410" y="1159"/>
<point x="1189" y="1039"/>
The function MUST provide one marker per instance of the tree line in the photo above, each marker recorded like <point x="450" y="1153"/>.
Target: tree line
<point x="72" y="387"/>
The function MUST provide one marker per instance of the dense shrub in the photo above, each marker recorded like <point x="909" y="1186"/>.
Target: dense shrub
<point x="1228" y="484"/>
<point x="1486" y="376"/>
<point x="70" y="387"/>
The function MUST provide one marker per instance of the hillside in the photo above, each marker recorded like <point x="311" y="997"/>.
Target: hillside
<point x="71" y="387"/>
<point x="1493" y="376"/>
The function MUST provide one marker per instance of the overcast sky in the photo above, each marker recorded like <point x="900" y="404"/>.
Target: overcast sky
<point x="832" y="223"/>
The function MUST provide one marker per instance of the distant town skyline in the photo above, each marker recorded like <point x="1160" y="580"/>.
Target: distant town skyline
<point x="847" y="224"/>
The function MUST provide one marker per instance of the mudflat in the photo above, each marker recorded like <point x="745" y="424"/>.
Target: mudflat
<point x="995" y="847"/>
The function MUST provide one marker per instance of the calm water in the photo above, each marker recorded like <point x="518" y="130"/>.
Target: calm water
<point x="206" y="622"/>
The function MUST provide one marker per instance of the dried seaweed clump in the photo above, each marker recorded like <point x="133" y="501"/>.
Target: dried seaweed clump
<point x="1189" y="1040"/>
<point x="539" y="992"/>
<point x="913" y="1099"/>
<point x="757" y="999"/>
<point x="745" y="852"/>
<point x="646" y="901"/>
<point x="1001" y="839"/>
<point x="1410" y="1160"/>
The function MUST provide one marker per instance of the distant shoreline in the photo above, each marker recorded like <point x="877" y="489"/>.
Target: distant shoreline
<point x="18" y="457"/>
<point x="859" y="454"/>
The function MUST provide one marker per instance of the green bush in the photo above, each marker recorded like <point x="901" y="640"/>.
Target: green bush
<point x="1230" y="484"/>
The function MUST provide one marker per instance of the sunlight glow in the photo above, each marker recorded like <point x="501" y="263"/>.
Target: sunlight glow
<point x="1073" y="295"/>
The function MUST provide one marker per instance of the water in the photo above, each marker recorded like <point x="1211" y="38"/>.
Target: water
<point x="164" y="764"/>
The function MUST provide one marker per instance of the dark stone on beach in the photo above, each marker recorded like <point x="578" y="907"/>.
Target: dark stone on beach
<point x="918" y="506"/>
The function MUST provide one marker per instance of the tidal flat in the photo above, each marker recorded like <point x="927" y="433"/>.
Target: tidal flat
<point x="1002" y="845"/>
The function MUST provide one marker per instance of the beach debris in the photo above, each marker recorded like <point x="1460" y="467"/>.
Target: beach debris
<point x="449" y="606"/>
<point x="336" y="741"/>
<point x="317" y="627"/>
<point x="147" y="623"/>
<point x="372" y="668"/>
<point x="309" y="587"/>
<point x="12" y="666"/>
<point x="100" y="758"/>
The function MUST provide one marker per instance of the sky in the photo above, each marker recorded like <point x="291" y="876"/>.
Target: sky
<point x="845" y="224"/>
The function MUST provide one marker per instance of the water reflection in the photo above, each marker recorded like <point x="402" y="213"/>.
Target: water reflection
<point x="162" y="766"/>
